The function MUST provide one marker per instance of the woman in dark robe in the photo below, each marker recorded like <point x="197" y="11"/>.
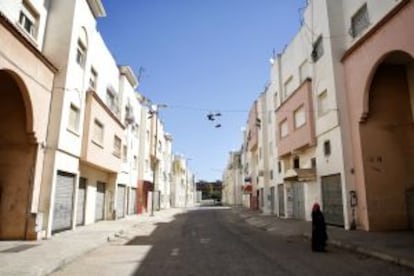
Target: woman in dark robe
<point x="319" y="235"/>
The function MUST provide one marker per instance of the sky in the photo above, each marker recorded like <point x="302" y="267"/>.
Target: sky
<point x="197" y="57"/>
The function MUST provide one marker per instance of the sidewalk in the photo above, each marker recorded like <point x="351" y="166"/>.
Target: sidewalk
<point x="43" y="257"/>
<point x="396" y="247"/>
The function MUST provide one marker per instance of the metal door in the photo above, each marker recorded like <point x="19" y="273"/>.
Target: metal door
<point x="100" y="201"/>
<point x="272" y="200"/>
<point x="80" y="212"/>
<point x="281" y="199"/>
<point x="298" y="200"/>
<point x="132" y="205"/>
<point x="332" y="199"/>
<point x="120" y="202"/>
<point x="63" y="205"/>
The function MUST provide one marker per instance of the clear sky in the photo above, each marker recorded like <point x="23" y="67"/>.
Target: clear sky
<point x="200" y="56"/>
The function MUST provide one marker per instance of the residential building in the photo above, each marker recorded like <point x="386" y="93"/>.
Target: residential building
<point x="232" y="180"/>
<point x="26" y="81"/>
<point x="331" y="123"/>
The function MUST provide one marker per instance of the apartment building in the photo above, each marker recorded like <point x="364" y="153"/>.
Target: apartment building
<point x="232" y="180"/>
<point x="182" y="179"/>
<point x="339" y="137"/>
<point x="26" y="81"/>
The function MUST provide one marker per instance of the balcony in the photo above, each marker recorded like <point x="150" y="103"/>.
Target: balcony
<point x="102" y="136"/>
<point x="295" y="121"/>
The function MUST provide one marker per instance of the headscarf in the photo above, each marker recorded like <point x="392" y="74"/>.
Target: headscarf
<point x="316" y="207"/>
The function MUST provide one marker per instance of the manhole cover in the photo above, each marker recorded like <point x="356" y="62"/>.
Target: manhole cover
<point x="18" y="248"/>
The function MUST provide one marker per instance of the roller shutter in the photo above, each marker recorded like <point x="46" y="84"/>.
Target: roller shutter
<point x="100" y="201"/>
<point x="332" y="199"/>
<point x="132" y="205"/>
<point x="63" y="204"/>
<point x="80" y="213"/>
<point x="120" y="201"/>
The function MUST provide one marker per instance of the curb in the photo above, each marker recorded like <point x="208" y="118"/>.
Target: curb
<point x="368" y="252"/>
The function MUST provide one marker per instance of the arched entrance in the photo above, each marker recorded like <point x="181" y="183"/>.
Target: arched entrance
<point x="17" y="157"/>
<point x="387" y="143"/>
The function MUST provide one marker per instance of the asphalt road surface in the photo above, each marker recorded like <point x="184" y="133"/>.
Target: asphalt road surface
<point x="216" y="241"/>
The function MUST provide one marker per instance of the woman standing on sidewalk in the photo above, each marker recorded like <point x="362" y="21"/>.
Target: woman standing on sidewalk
<point x="319" y="235"/>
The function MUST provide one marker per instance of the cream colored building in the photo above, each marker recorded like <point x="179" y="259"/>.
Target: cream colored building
<point x="233" y="180"/>
<point x="26" y="81"/>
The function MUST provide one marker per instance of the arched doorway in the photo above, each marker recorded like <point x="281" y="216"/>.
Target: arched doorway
<point x="387" y="143"/>
<point x="17" y="157"/>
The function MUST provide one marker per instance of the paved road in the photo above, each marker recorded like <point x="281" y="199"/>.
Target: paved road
<point x="215" y="241"/>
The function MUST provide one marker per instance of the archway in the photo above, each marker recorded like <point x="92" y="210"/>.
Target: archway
<point x="17" y="157"/>
<point x="387" y="143"/>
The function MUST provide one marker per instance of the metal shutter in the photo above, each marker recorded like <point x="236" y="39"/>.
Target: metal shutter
<point x="272" y="200"/>
<point x="132" y="206"/>
<point x="100" y="201"/>
<point x="120" y="202"/>
<point x="332" y="199"/>
<point x="63" y="206"/>
<point x="298" y="200"/>
<point x="80" y="213"/>
<point x="281" y="197"/>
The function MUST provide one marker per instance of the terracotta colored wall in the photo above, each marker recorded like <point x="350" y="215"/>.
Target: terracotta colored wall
<point x="360" y="67"/>
<point x="304" y="135"/>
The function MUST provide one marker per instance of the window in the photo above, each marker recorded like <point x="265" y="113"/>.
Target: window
<point x="327" y="148"/>
<point x="112" y="101"/>
<point x="313" y="163"/>
<point x="279" y="166"/>
<point x="117" y="146"/>
<point x="269" y="119"/>
<point x="317" y="51"/>
<point x="271" y="174"/>
<point x="296" y="162"/>
<point x="98" y="132"/>
<point x="28" y="19"/>
<point x="323" y="103"/>
<point x="125" y="153"/>
<point x="73" y="123"/>
<point x="260" y="153"/>
<point x="81" y="54"/>
<point x="93" y="79"/>
<point x="284" y="131"/>
<point x="304" y="71"/>
<point x="360" y="21"/>
<point x="288" y="87"/>
<point x="300" y="116"/>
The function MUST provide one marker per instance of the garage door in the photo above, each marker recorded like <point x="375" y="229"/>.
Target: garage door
<point x="281" y="200"/>
<point x="120" y="201"/>
<point x="100" y="201"/>
<point x="332" y="199"/>
<point x="132" y="205"/>
<point x="80" y="213"/>
<point x="63" y="206"/>
<point x="298" y="201"/>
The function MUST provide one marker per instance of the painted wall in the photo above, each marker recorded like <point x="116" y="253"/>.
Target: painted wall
<point x="360" y="66"/>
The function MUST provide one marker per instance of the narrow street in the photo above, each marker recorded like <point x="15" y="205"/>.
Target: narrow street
<point x="216" y="241"/>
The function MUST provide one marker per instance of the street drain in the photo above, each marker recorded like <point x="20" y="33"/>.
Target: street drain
<point x="18" y="248"/>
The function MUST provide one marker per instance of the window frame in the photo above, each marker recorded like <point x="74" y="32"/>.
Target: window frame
<point x="75" y="128"/>
<point x="98" y="140"/>
<point x="295" y="113"/>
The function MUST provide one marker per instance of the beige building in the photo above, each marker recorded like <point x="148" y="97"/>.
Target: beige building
<point x="26" y="81"/>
